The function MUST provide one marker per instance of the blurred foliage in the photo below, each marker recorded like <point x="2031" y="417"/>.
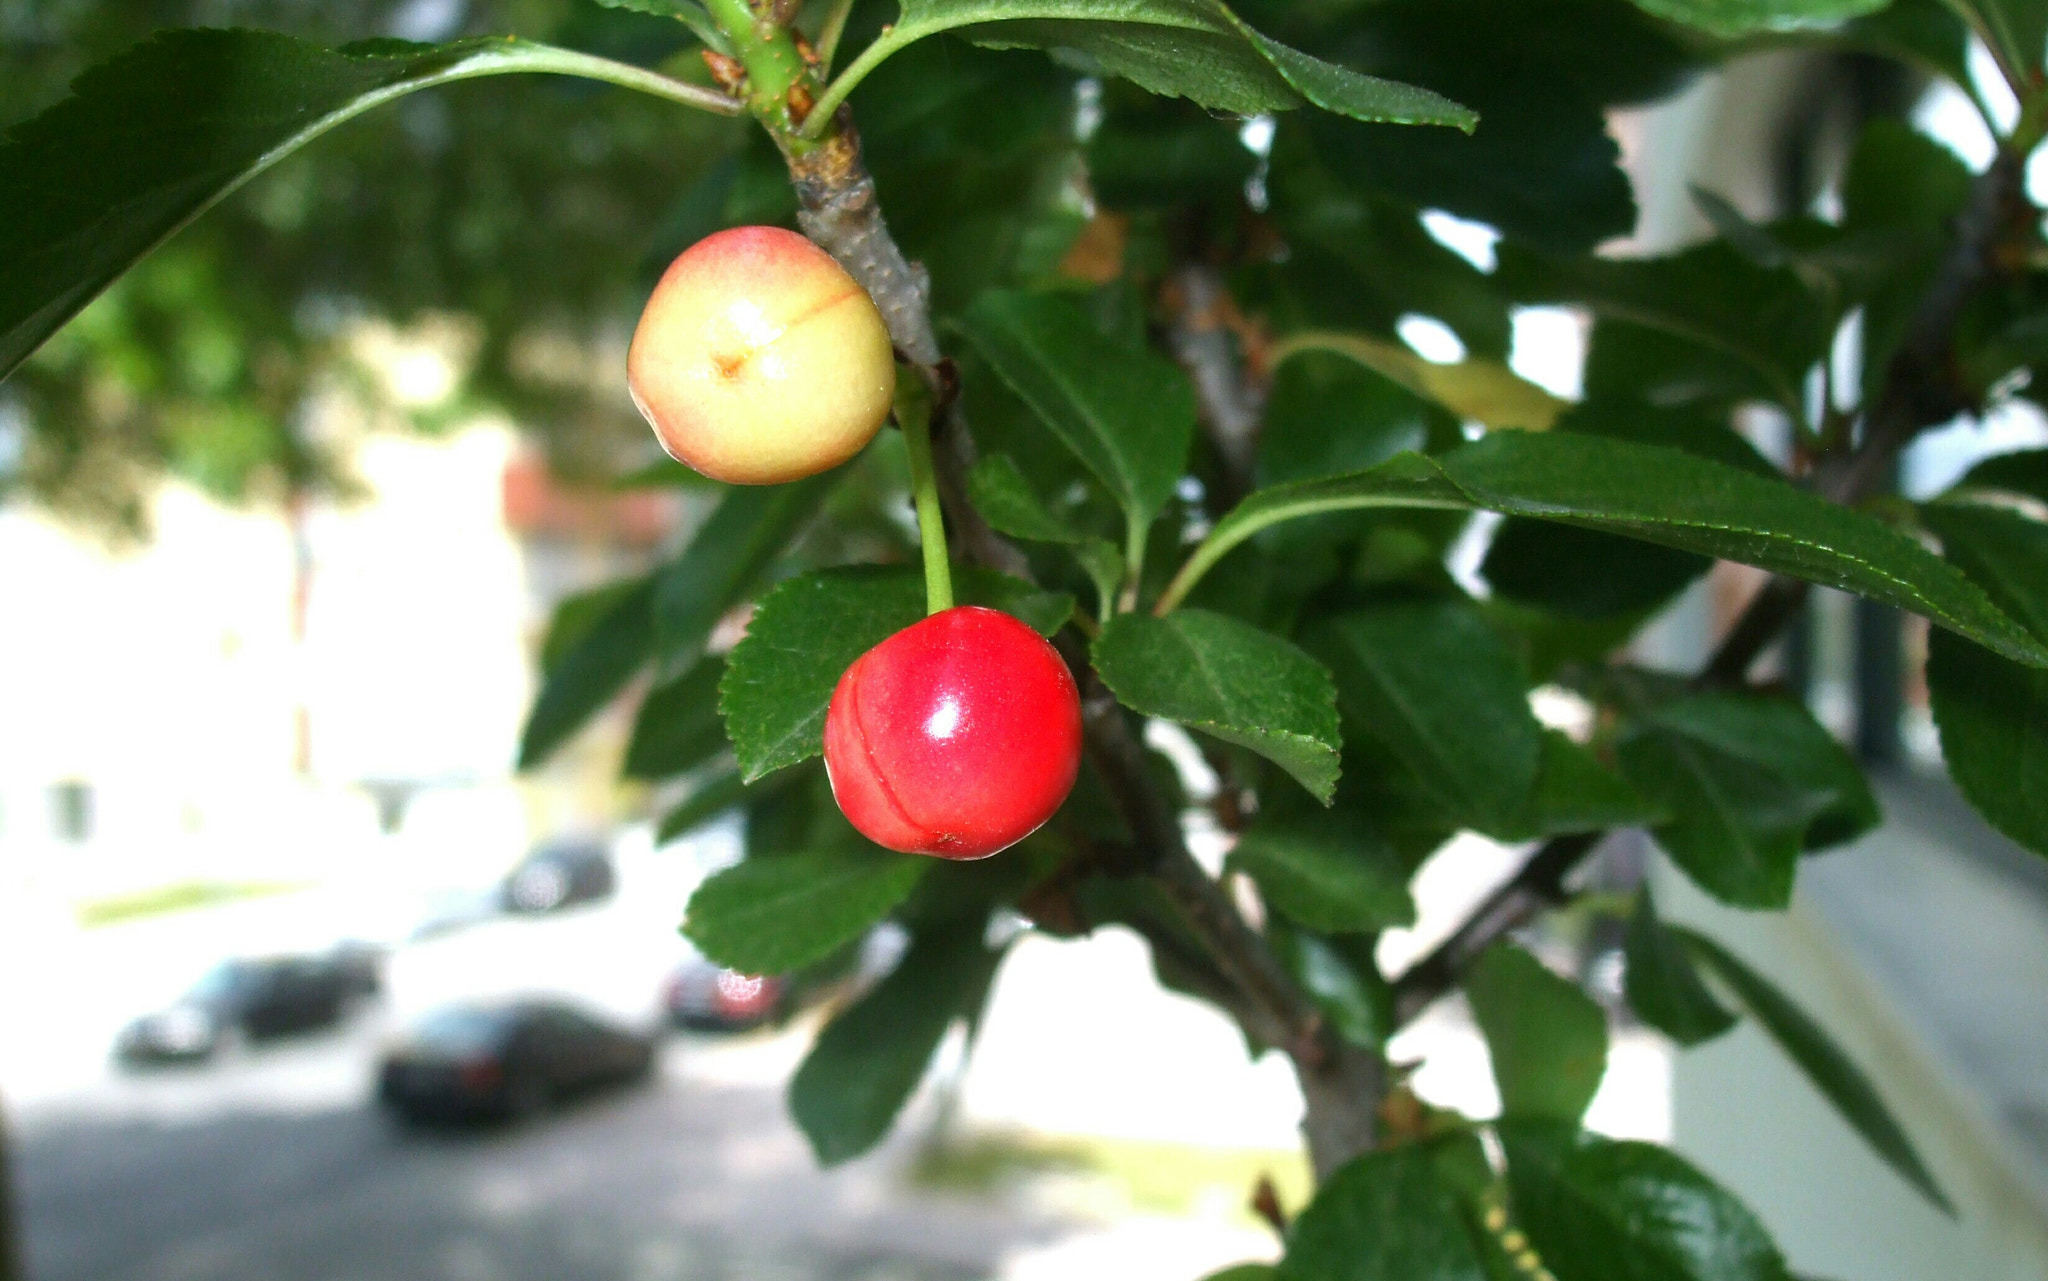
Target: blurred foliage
<point x="507" y="229"/>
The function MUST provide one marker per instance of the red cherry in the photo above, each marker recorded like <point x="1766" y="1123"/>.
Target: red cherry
<point x="957" y="736"/>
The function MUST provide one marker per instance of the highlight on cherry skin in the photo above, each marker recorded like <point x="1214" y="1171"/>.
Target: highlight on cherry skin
<point x="956" y="737"/>
<point x="758" y="360"/>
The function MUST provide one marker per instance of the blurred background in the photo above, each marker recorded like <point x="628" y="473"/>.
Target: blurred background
<point x="282" y="522"/>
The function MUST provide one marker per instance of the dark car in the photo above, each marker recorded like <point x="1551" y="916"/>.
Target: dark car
<point x="253" y="998"/>
<point x="559" y="875"/>
<point x="703" y="994"/>
<point x="505" y="1061"/>
<point x="361" y="964"/>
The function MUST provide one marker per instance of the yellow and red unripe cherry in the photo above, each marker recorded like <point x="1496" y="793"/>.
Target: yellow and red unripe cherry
<point x="957" y="737"/>
<point x="759" y="360"/>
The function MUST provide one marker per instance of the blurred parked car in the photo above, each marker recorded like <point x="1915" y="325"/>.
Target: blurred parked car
<point x="448" y="910"/>
<point x="255" y="998"/>
<point x="361" y="964"/>
<point x="505" y="1061"/>
<point x="559" y="875"/>
<point x="703" y="994"/>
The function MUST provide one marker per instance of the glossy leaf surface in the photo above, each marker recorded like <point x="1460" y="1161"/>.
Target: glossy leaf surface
<point x="1993" y="713"/>
<point x="1227" y="678"/>
<point x="1437" y="687"/>
<point x="775" y="914"/>
<point x="1196" y="49"/>
<point x="1660" y="496"/>
<point x="1387" y="1216"/>
<point x="1333" y="873"/>
<point x="1127" y="414"/>
<point x="1597" y="1210"/>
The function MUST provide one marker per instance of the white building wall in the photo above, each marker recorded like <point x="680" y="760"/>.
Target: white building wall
<point x="166" y="678"/>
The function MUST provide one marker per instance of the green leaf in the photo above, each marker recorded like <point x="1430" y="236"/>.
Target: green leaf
<point x="689" y="12"/>
<point x="1583" y="573"/>
<point x="1598" y="1210"/>
<point x="1749" y="783"/>
<point x="1358" y="261"/>
<point x="869" y="1058"/>
<point x="1900" y="177"/>
<point x="1005" y="499"/>
<point x="1923" y="33"/>
<point x="1327" y="415"/>
<point x="1341" y="975"/>
<point x="1331" y="873"/>
<point x="1246" y="1272"/>
<point x="1196" y="49"/>
<point x="2017" y="31"/>
<point x="1547" y="1039"/>
<point x="1731" y="18"/>
<point x="1126" y="413"/>
<point x="1386" y="1216"/>
<point x="152" y="139"/>
<point x="1435" y="685"/>
<point x="1786" y="740"/>
<point x="1231" y="680"/>
<point x="588" y="664"/>
<point x="1104" y="565"/>
<point x="709" y="799"/>
<point x="1832" y="1072"/>
<point x="742" y="536"/>
<point x="2024" y="473"/>
<point x="1993" y="714"/>
<point x="1625" y="359"/>
<point x="1541" y="166"/>
<point x="678" y="727"/>
<point x="1663" y="987"/>
<point x="1477" y="390"/>
<point x="1901" y="194"/>
<point x="1659" y="496"/>
<point x="723" y="791"/>
<point x="809" y="630"/>
<point x="1765" y="317"/>
<point x="1575" y="792"/>
<point x="780" y="913"/>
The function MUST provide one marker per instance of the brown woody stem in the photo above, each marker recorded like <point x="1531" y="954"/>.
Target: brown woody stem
<point x="839" y="210"/>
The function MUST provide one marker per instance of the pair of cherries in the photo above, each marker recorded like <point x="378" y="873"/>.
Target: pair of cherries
<point x="759" y="360"/>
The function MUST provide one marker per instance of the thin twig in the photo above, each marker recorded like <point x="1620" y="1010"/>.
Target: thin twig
<point x="1230" y="403"/>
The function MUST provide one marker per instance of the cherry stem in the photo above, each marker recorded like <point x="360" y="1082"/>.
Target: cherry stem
<point x="914" y="415"/>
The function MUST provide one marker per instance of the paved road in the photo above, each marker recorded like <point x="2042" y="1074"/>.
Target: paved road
<point x="274" y="1166"/>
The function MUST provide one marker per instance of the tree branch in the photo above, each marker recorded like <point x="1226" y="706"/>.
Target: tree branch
<point x="1922" y="389"/>
<point x="1230" y="405"/>
<point x="1342" y="1083"/>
